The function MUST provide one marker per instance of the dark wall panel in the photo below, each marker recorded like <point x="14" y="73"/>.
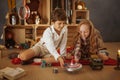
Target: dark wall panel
<point x="105" y="16"/>
<point x="3" y="11"/>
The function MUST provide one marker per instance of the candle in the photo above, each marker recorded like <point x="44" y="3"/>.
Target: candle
<point x="119" y="52"/>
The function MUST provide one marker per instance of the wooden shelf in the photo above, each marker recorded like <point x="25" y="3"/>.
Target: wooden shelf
<point x="36" y="31"/>
<point x="79" y="14"/>
<point x="39" y="8"/>
<point x="44" y="8"/>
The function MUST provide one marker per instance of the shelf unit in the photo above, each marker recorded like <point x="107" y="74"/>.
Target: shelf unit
<point x="79" y="14"/>
<point x="35" y="31"/>
<point x="20" y="32"/>
<point x="31" y="31"/>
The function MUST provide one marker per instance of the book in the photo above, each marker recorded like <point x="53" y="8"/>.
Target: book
<point x="12" y="73"/>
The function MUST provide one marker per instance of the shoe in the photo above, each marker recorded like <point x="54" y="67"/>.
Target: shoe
<point x="27" y="62"/>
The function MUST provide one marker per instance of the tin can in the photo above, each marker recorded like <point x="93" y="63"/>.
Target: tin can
<point x="55" y="70"/>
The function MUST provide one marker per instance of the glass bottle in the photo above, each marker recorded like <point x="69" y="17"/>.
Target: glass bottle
<point x="13" y="20"/>
<point x="37" y="20"/>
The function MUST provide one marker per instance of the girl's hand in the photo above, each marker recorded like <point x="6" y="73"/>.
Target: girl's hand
<point x="60" y="59"/>
<point x="68" y="56"/>
<point x="76" y="59"/>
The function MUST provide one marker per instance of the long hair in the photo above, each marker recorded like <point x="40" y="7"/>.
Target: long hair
<point x="93" y="36"/>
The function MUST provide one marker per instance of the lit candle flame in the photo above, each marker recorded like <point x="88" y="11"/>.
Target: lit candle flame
<point x="119" y="52"/>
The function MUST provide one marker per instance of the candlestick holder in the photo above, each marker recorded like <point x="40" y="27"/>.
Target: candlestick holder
<point x="118" y="61"/>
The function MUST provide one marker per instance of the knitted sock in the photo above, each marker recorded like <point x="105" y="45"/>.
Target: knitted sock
<point x="37" y="60"/>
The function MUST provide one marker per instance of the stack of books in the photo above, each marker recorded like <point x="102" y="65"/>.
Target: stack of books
<point x="12" y="73"/>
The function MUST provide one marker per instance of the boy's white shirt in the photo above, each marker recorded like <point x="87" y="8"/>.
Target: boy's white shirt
<point x="51" y="44"/>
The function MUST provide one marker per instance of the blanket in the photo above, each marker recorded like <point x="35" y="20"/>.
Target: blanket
<point x="110" y="61"/>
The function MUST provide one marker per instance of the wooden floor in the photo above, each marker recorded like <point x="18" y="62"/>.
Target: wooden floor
<point x="35" y="72"/>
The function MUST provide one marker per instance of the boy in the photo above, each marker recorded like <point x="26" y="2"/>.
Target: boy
<point x="53" y="37"/>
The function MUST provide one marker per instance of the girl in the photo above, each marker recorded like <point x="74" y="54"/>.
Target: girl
<point x="88" y="41"/>
<point x="54" y="37"/>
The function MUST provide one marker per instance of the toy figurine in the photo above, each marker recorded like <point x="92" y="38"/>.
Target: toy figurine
<point x="43" y="64"/>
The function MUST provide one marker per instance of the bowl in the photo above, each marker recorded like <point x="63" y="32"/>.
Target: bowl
<point x="74" y="67"/>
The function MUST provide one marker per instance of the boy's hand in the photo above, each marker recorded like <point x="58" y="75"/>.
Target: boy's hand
<point x="60" y="59"/>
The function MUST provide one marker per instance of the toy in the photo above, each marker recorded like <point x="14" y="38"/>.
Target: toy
<point x="16" y="61"/>
<point x="43" y="63"/>
<point x="96" y="63"/>
<point x="72" y="67"/>
<point x="49" y="64"/>
<point x="55" y="70"/>
<point x="25" y="45"/>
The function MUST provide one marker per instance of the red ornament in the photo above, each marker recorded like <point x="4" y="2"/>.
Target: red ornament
<point x="16" y="61"/>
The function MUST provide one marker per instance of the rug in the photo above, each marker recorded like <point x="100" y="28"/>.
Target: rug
<point x="109" y="62"/>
